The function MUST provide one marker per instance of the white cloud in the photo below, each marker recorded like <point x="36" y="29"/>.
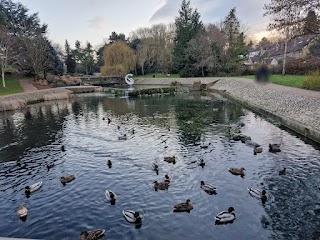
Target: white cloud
<point x="97" y="23"/>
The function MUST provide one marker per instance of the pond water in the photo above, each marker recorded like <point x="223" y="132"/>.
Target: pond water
<point x="163" y="126"/>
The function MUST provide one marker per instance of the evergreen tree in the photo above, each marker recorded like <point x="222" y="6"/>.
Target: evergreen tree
<point x="188" y="25"/>
<point x="70" y="64"/>
<point x="311" y="24"/>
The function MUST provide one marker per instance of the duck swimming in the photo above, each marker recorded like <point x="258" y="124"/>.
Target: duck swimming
<point x="225" y="217"/>
<point x="282" y="172"/>
<point x="238" y="171"/>
<point x="63" y="149"/>
<point x="257" y="149"/>
<point x="33" y="187"/>
<point x="92" y="235"/>
<point x="205" y="146"/>
<point x="258" y="194"/>
<point x="207" y="187"/>
<point x="170" y="159"/>
<point x="132" y="217"/>
<point x="274" y="148"/>
<point x="167" y="178"/>
<point x="201" y="163"/>
<point x="161" y="185"/>
<point x="67" y="179"/>
<point x="109" y="163"/>
<point x="22" y="211"/>
<point x="110" y="196"/>
<point x="183" y="207"/>
<point x="124" y="137"/>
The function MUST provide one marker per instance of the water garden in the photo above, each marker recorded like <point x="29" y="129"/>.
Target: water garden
<point x="112" y="143"/>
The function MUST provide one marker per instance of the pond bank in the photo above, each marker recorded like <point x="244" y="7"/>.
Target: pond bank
<point x="296" y="109"/>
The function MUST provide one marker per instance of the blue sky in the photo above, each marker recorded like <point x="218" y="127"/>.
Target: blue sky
<point x="94" y="20"/>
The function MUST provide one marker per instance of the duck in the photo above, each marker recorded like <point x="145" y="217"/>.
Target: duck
<point x="63" y="149"/>
<point x="170" y="159"/>
<point x="109" y="163"/>
<point x="258" y="194"/>
<point x="110" y="196"/>
<point x="161" y="185"/>
<point x="282" y="172"/>
<point x="201" y="163"/>
<point x="207" y="187"/>
<point x="50" y="165"/>
<point x="257" y="149"/>
<point x="205" y="146"/>
<point x="33" y="187"/>
<point x="124" y="137"/>
<point x="22" y="211"/>
<point x="67" y="179"/>
<point x="274" y="147"/>
<point x="238" y="171"/>
<point x="167" y="178"/>
<point x="183" y="207"/>
<point x="132" y="217"/>
<point x="225" y="216"/>
<point x="155" y="167"/>
<point x="92" y="235"/>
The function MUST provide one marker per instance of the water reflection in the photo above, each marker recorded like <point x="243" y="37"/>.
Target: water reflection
<point x="189" y="127"/>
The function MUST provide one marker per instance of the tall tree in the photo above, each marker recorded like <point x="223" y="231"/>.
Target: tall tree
<point x="188" y="25"/>
<point x="88" y="60"/>
<point x="311" y="24"/>
<point x="116" y="37"/>
<point x="119" y="59"/>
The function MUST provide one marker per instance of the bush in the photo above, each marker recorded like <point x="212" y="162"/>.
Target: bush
<point x="301" y="66"/>
<point x="190" y="72"/>
<point x="312" y="81"/>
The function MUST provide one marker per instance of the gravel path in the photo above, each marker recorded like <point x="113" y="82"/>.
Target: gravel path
<point x="298" y="104"/>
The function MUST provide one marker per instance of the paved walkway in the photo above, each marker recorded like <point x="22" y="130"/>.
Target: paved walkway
<point x="27" y="85"/>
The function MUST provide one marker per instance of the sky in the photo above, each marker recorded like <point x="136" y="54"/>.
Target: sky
<point x="94" y="20"/>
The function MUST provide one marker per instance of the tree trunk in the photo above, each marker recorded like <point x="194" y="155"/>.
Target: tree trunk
<point x="284" y="58"/>
<point x="202" y="71"/>
<point x="142" y="70"/>
<point x="3" y="81"/>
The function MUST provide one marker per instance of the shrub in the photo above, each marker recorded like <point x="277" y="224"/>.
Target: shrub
<point x="301" y="66"/>
<point x="312" y="81"/>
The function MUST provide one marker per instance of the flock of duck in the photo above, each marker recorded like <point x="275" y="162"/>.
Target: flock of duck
<point x="135" y="217"/>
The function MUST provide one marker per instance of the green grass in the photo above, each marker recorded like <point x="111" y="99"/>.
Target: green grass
<point x="287" y="80"/>
<point x="12" y="86"/>
<point x="158" y="75"/>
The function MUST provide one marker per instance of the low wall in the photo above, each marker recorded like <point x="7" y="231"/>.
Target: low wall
<point x="21" y="100"/>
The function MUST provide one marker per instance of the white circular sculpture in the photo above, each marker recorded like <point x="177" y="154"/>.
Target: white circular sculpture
<point x="129" y="80"/>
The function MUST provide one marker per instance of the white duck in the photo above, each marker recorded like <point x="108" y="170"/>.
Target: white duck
<point x="22" y="211"/>
<point x="110" y="196"/>
<point x="207" y="187"/>
<point x="258" y="194"/>
<point x="225" y="217"/>
<point x="33" y="187"/>
<point x="132" y="217"/>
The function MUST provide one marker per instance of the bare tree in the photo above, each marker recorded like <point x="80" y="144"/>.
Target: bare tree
<point x="9" y="53"/>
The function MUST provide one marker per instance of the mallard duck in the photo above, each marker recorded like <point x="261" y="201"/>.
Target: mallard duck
<point x="67" y="179"/>
<point x="124" y="137"/>
<point x="110" y="196"/>
<point x="33" y="187"/>
<point x="282" y="172"/>
<point x="201" y="163"/>
<point x="167" y="178"/>
<point x="207" y="187"/>
<point x="92" y="235"/>
<point x="257" y="149"/>
<point x="63" y="149"/>
<point x="161" y="185"/>
<point x="109" y="163"/>
<point x="258" y="194"/>
<point x="238" y="171"/>
<point x="170" y="159"/>
<point x="274" y="147"/>
<point x="183" y="207"/>
<point x="205" y="146"/>
<point x="132" y="217"/>
<point x="225" y="217"/>
<point x="22" y="211"/>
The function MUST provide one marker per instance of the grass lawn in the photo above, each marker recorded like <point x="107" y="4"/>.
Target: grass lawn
<point x="158" y="75"/>
<point x="12" y="86"/>
<point x="287" y="80"/>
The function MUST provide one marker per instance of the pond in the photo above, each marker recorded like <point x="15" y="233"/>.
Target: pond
<point x="156" y="127"/>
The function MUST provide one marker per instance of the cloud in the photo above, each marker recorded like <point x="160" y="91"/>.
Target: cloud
<point x="97" y="23"/>
<point x="250" y="12"/>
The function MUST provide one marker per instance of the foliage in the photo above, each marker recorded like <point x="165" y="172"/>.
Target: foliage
<point x="116" y="37"/>
<point x="119" y="59"/>
<point x="312" y="81"/>
<point x="12" y="86"/>
<point x="188" y="25"/>
<point x="158" y="75"/>
<point x="311" y="24"/>
<point x="301" y="67"/>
